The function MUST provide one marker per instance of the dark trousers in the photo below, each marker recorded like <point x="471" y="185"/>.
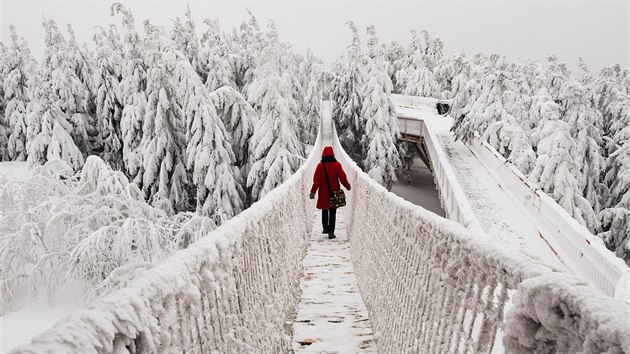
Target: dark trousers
<point x="328" y="220"/>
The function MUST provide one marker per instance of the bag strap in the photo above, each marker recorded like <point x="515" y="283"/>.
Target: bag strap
<point x="327" y="181"/>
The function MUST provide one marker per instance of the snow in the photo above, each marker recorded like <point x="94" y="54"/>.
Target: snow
<point x="15" y="170"/>
<point x="331" y="316"/>
<point x="454" y="202"/>
<point x="563" y="314"/>
<point x="431" y="285"/>
<point x="422" y="190"/>
<point x="231" y="291"/>
<point x="580" y="251"/>
<point x="510" y="210"/>
<point x="499" y="216"/>
<point x="427" y="284"/>
<point x="18" y="328"/>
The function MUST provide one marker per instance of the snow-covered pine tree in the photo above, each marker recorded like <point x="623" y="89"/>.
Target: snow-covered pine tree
<point x="512" y="142"/>
<point x="469" y="87"/>
<point x="108" y="96"/>
<point x="381" y="125"/>
<point x="293" y="75"/>
<point x="52" y="140"/>
<point x="61" y="99"/>
<point x="216" y="50"/>
<point x="616" y="217"/>
<point x="133" y="95"/>
<point x="16" y="95"/>
<point x="460" y="85"/>
<point x="239" y="119"/>
<point x="311" y="104"/>
<point x="347" y="97"/>
<point x="586" y="77"/>
<point x="275" y="151"/>
<point x="434" y="52"/>
<point x="251" y="43"/>
<point x="585" y="124"/>
<point x="81" y="61"/>
<point x="486" y="109"/>
<point x="395" y="56"/>
<point x="557" y="166"/>
<point x="612" y="99"/>
<point x="518" y="96"/>
<point x="511" y="134"/>
<point x="164" y="181"/>
<point x="407" y="63"/>
<point x="185" y="38"/>
<point x="555" y="75"/>
<point x="5" y="130"/>
<point x="421" y="81"/>
<point x="443" y="74"/>
<point x="209" y="154"/>
<point x="611" y="96"/>
<point x="408" y="152"/>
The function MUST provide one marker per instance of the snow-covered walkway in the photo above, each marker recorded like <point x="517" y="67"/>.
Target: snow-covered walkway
<point x="499" y="215"/>
<point x="331" y="317"/>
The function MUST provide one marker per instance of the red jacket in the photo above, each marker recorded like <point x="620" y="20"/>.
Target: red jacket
<point x="335" y="175"/>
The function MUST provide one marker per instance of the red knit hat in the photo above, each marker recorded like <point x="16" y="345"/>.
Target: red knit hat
<point x="328" y="151"/>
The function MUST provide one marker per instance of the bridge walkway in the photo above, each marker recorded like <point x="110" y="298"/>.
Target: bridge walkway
<point x="499" y="216"/>
<point x="331" y="317"/>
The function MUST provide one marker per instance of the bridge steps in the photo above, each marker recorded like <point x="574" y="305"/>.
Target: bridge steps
<point x="331" y="317"/>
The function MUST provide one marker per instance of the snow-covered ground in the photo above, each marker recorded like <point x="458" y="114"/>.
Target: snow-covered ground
<point x="421" y="191"/>
<point x="17" y="328"/>
<point x="15" y="170"/>
<point x="331" y="317"/>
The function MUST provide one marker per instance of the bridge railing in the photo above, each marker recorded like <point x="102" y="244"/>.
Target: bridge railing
<point x="232" y="291"/>
<point x="418" y="102"/>
<point x="582" y="252"/>
<point x="432" y="285"/>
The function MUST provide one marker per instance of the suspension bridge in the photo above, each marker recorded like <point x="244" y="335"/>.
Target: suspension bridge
<point x="506" y="271"/>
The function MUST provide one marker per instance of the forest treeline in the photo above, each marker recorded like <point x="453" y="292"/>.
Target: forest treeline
<point x="209" y="120"/>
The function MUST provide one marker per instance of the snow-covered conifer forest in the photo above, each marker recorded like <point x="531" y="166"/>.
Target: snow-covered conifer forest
<point x="148" y="137"/>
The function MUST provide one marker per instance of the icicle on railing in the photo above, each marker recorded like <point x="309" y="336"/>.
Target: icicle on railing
<point x="232" y="291"/>
<point x="432" y="285"/>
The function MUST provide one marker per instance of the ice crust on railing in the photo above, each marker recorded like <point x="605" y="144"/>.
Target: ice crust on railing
<point x="432" y="285"/>
<point x="556" y="313"/>
<point x="232" y="291"/>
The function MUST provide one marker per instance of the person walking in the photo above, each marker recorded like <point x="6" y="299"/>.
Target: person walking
<point x="328" y="176"/>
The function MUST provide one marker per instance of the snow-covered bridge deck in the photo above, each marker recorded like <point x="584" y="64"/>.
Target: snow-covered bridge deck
<point x="503" y="205"/>
<point x="331" y="316"/>
<point x="429" y="284"/>
<point x="495" y="213"/>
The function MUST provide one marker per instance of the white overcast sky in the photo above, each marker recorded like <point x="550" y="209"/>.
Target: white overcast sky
<point x="595" y="30"/>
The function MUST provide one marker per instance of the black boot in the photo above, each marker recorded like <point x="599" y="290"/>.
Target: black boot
<point x="331" y="236"/>
<point x="325" y="231"/>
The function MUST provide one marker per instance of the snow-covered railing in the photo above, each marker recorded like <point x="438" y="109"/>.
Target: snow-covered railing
<point x="232" y="291"/>
<point x="582" y="252"/>
<point x="433" y="285"/>
<point x="417" y="102"/>
<point x="452" y="197"/>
